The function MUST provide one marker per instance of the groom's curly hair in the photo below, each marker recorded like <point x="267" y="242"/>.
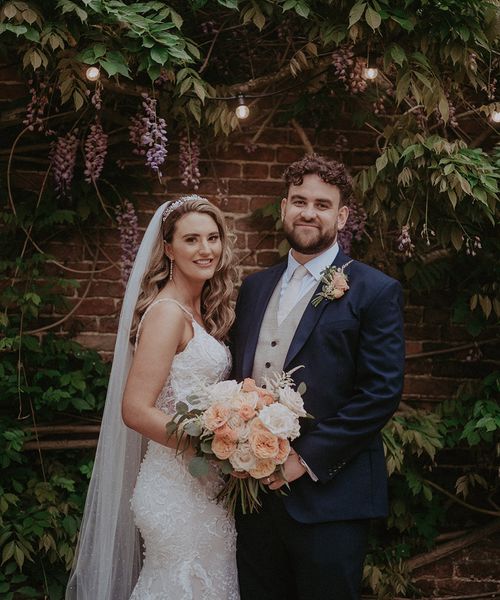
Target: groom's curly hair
<point x="330" y="171"/>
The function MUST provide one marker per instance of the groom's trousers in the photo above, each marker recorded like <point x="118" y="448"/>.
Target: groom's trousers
<point x="282" y="559"/>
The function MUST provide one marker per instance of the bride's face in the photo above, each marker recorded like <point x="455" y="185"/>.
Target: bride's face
<point x="196" y="247"/>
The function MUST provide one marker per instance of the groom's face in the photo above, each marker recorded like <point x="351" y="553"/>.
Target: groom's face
<point x="312" y="215"/>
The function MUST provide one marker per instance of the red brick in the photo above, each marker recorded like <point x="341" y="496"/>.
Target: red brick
<point x="103" y="341"/>
<point x="267" y="258"/>
<point x="413" y="347"/>
<point x="13" y="91"/>
<point x="261" y="202"/>
<point x="232" y="205"/>
<point x="108" y="324"/>
<point x="223" y="169"/>
<point x="436" y="316"/>
<point x="101" y="306"/>
<point x="263" y="241"/>
<point x="422" y="332"/>
<point x="274" y="136"/>
<point x="478" y="569"/>
<point x="276" y="172"/>
<point x="430" y="386"/>
<point x="253" y="223"/>
<point x="106" y="289"/>
<point x="413" y="314"/>
<point x="255" y="171"/>
<point x="289" y="155"/>
<point x="261" y="154"/>
<point x="255" y="188"/>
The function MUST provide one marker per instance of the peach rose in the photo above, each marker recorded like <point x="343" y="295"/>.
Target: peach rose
<point x="249" y="385"/>
<point x="264" y="444"/>
<point x="339" y="282"/>
<point x="263" y="468"/>
<point x="283" y="451"/>
<point x="247" y="411"/>
<point x="223" y="446"/>
<point x="226" y="432"/>
<point x="215" y="416"/>
<point x="265" y="396"/>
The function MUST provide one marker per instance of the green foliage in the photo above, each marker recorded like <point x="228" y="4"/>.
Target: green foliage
<point x="44" y="379"/>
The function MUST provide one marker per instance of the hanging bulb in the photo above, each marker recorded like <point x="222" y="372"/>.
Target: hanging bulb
<point x="92" y="74"/>
<point x="370" y="73"/>
<point x="495" y="116"/>
<point x="242" y="110"/>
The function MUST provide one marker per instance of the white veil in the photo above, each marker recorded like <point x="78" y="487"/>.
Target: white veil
<point x="108" y="557"/>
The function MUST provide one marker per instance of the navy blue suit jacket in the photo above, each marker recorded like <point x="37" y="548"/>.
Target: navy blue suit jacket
<point x="352" y="350"/>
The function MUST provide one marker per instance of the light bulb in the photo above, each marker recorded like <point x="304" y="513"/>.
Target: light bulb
<point x="495" y="116"/>
<point x="92" y="73"/>
<point x="242" y="111"/>
<point x="370" y="72"/>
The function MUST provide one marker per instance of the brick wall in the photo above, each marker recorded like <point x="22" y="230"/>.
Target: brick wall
<point x="241" y="182"/>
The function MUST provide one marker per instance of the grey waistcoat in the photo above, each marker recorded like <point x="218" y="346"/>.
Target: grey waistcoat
<point x="274" y="341"/>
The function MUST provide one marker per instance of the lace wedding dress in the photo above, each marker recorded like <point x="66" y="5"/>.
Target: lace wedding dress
<point x="189" y="539"/>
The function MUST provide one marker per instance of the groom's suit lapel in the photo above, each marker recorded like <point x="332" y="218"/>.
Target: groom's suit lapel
<point x="311" y="316"/>
<point x="270" y="279"/>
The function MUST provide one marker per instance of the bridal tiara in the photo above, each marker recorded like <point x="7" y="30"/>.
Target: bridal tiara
<point x="178" y="203"/>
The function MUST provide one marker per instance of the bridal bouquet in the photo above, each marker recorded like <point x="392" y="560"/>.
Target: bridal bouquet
<point x="241" y="427"/>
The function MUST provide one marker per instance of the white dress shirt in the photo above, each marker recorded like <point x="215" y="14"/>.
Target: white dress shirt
<point x="314" y="268"/>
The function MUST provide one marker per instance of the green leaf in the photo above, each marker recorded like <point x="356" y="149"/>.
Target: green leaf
<point x="398" y="54"/>
<point x="373" y="18"/>
<point x="198" y="466"/>
<point x="160" y="54"/>
<point x="456" y="238"/>
<point x="381" y="162"/>
<point x="356" y="13"/>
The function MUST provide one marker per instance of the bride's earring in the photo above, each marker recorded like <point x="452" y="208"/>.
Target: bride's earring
<point x="171" y="274"/>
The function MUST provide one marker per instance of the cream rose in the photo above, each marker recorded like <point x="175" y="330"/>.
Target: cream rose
<point x="225" y="392"/>
<point x="280" y="420"/>
<point x="292" y="400"/>
<point x="243" y="459"/>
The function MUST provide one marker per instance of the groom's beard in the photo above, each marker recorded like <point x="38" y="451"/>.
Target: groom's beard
<point x="313" y="243"/>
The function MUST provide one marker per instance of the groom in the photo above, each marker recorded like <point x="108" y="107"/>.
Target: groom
<point x="311" y="543"/>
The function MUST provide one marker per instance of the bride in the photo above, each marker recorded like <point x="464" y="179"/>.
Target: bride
<point x="177" y="311"/>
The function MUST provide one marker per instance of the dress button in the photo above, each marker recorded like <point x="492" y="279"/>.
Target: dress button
<point x="267" y="365"/>
<point x="273" y="343"/>
<point x="263" y="386"/>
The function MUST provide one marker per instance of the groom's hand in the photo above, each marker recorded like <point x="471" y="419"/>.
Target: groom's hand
<point x="292" y="470"/>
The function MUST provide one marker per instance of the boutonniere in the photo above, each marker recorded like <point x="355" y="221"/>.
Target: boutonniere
<point x="335" y="284"/>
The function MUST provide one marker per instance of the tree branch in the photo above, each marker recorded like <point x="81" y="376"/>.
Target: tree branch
<point x="303" y="136"/>
<point x="451" y="547"/>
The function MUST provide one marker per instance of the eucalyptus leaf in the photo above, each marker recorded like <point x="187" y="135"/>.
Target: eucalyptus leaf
<point x="198" y="466"/>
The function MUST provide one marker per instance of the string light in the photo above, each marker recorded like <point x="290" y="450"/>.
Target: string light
<point x="495" y="116"/>
<point x="92" y="74"/>
<point x="370" y="73"/>
<point x="242" y="110"/>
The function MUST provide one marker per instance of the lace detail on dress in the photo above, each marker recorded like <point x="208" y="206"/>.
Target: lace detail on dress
<point x="189" y="539"/>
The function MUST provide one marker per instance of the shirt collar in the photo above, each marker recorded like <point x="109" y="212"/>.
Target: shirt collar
<point x="314" y="266"/>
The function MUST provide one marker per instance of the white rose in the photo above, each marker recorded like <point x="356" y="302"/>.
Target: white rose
<point x="243" y="459"/>
<point x="225" y="392"/>
<point x="280" y="420"/>
<point x="292" y="400"/>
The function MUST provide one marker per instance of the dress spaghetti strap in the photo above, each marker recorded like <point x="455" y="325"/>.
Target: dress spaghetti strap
<point x="181" y="306"/>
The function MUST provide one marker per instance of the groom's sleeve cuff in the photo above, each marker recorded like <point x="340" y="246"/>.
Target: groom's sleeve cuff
<point x="308" y="470"/>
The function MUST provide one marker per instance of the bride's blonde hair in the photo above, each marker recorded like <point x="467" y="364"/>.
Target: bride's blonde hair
<point x="217" y="312"/>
